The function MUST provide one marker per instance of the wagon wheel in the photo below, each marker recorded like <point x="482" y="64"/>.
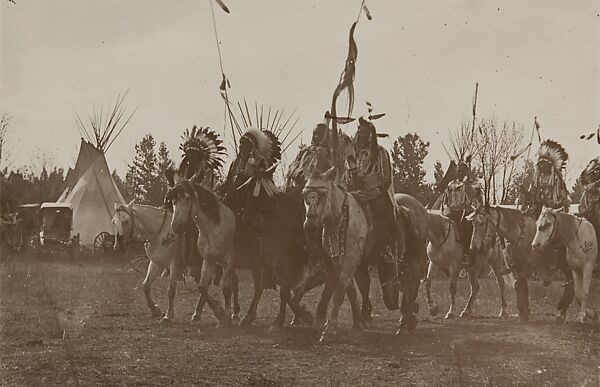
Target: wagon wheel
<point x="103" y="242"/>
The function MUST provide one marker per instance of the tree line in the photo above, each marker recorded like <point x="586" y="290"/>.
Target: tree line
<point x="491" y="147"/>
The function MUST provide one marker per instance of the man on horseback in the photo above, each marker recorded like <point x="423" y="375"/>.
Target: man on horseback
<point x="589" y="206"/>
<point x="317" y="152"/>
<point x="548" y="188"/>
<point x="249" y="187"/>
<point x="370" y="181"/>
<point x="461" y="197"/>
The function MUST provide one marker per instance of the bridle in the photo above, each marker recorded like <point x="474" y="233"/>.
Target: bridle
<point x="133" y="221"/>
<point x="450" y="225"/>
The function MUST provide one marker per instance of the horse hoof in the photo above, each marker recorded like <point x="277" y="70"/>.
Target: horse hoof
<point x="434" y="310"/>
<point x="450" y="315"/>
<point x="196" y="317"/>
<point x="235" y="319"/>
<point x="503" y="314"/>
<point x="166" y="320"/>
<point x="248" y="320"/>
<point x="559" y="318"/>
<point x="320" y="322"/>
<point x="465" y="314"/>
<point x="358" y="327"/>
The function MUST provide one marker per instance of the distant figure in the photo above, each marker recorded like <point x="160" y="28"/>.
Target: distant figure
<point x="548" y="188"/>
<point x="589" y="205"/>
<point x="461" y="198"/>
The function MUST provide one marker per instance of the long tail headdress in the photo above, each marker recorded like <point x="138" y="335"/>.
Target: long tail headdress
<point x="554" y="153"/>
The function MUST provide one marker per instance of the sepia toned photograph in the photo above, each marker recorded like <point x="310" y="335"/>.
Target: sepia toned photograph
<point x="299" y="193"/>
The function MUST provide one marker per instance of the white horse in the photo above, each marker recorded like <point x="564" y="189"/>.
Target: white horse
<point x="152" y="227"/>
<point x="445" y="252"/>
<point x="579" y="237"/>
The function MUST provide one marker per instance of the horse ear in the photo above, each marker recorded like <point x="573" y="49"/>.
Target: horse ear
<point x="330" y="173"/>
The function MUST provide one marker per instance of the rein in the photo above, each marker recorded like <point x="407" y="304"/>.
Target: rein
<point x="521" y="233"/>
<point x="450" y="223"/>
<point x="133" y="228"/>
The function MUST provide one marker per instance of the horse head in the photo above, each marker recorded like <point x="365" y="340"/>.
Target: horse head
<point x="181" y="196"/>
<point x="485" y="221"/>
<point x="123" y="224"/>
<point x="316" y="195"/>
<point x="546" y="229"/>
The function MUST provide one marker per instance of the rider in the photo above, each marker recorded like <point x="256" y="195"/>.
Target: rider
<point x="317" y="152"/>
<point x="548" y="188"/>
<point x="249" y="186"/>
<point x="370" y="181"/>
<point x="589" y="206"/>
<point x="461" y="197"/>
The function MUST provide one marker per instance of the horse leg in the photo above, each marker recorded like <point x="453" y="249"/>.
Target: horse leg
<point x="236" y="299"/>
<point x="567" y="296"/>
<point x="228" y="279"/>
<point x="198" y="311"/>
<point x="339" y="294"/>
<point x="433" y="307"/>
<point x="474" y="281"/>
<point x="323" y="305"/>
<point x="257" y="276"/>
<point x="522" y="292"/>
<point x="356" y="314"/>
<point x="284" y="298"/>
<point x="578" y="284"/>
<point x="171" y="292"/>
<point x="208" y="270"/>
<point x="409" y="306"/>
<point x="152" y="274"/>
<point x="454" y="272"/>
<point x="588" y="270"/>
<point x="363" y="281"/>
<point x="500" y="280"/>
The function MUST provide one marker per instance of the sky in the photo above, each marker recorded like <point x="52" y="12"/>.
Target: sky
<point x="418" y="64"/>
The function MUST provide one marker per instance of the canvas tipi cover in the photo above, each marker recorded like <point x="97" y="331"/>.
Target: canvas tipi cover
<point x="91" y="192"/>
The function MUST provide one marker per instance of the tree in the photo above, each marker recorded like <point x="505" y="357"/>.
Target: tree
<point x="521" y="182"/>
<point x="121" y="185"/>
<point x="408" y="156"/>
<point x="164" y="163"/>
<point x="491" y="147"/>
<point x="141" y="174"/>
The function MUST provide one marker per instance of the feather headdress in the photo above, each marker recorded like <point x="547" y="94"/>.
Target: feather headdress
<point x="206" y="144"/>
<point x="554" y="153"/>
<point x="265" y="143"/>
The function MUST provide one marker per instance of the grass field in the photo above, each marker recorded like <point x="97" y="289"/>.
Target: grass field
<point x="87" y="323"/>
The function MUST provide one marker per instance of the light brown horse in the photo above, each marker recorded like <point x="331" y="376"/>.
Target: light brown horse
<point x="579" y="236"/>
<point x="216" y="226"/>
<point x="445" y="252"/>
<point x="151" y="226"/>
<point x="518" y="230"/>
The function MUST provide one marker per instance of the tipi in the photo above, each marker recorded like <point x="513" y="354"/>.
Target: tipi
<point x="90" y="190"/>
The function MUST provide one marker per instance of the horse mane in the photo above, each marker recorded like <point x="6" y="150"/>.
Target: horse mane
<point x="513" y="219"/>
<point x="207" y="200"/>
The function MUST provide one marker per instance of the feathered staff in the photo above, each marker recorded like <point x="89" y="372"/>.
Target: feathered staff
<point x="589" y="136"/>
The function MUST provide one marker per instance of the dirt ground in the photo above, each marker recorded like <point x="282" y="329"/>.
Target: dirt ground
<point x="87" y="323"/>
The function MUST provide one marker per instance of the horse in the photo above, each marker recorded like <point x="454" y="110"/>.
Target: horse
<point x="518" y="230"/>
<point x="215" y="243"/>
<point x="445" y="252"/>
<point x="344" y="225"/>
<point x="579" y="237"/>
<point x="151" y="225"/>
